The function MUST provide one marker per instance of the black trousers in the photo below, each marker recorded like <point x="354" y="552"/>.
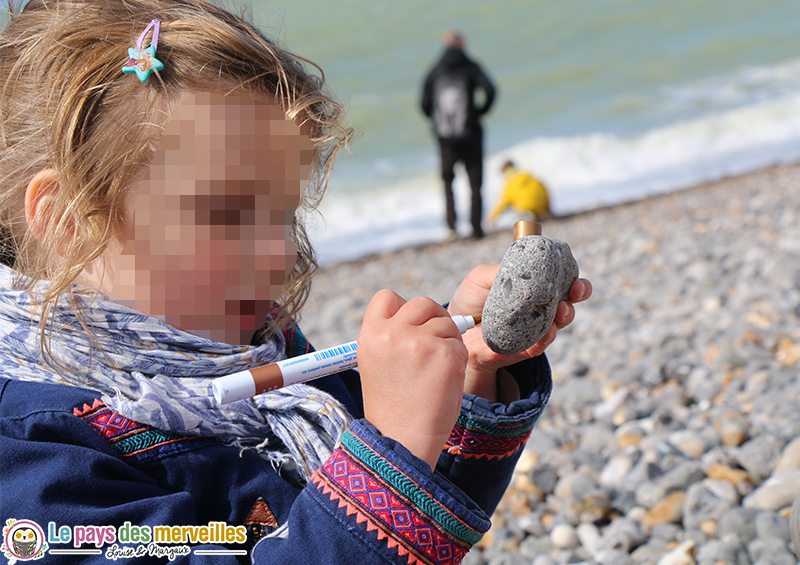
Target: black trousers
<point x="469" y="152"/>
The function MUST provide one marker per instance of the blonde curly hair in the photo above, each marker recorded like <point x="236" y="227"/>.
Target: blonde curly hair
<point x="66" y="106"/>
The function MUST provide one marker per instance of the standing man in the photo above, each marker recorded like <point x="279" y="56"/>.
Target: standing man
<point x="449" y="100"/>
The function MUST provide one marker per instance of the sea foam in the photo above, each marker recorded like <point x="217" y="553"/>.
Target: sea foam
<point x="581" y="172"/>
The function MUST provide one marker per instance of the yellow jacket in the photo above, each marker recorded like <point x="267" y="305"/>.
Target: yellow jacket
<point x="524" y="193"/>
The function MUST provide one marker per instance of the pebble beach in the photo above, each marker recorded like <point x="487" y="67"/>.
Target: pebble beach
<point x="672" y="436"/>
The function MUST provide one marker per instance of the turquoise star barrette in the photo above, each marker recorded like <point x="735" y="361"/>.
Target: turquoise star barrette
<point x="143" y="61"/>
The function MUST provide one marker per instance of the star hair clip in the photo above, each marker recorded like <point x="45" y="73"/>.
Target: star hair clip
<point x="143" y="61"/>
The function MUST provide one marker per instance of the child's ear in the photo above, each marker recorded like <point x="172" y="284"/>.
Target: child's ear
<point x="41" y="190"/>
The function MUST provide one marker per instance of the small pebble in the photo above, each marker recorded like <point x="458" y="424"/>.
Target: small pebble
<point x="564" y="536"/>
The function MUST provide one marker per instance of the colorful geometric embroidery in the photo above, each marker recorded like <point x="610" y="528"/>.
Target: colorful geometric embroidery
<point x="400" y="520"/>
<point x="138" y="441"/>
<point x="412" y="492"/>
<point x="469" y="438"/>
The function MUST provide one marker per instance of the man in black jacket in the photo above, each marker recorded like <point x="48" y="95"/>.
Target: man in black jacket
<point x="448" y="98"/>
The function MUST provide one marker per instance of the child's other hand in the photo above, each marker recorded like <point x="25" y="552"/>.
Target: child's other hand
<point x="483" y="362"/>
<point x="412" y="362"/>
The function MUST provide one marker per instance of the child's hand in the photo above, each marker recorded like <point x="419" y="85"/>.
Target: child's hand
<point x="483" y="362"/>
<point x="412" y="361"/>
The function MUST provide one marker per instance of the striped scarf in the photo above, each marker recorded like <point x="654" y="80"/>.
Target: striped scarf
<point x="155" y="374"/>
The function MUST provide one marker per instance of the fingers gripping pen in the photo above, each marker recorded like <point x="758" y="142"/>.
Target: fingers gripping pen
<point x="314" y="365"/>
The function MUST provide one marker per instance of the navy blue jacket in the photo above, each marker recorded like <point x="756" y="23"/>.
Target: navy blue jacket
<point x="68" y="462"/>
<point x="455" y="66"/>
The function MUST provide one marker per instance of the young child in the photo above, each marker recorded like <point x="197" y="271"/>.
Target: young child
<point x="524" y="193"/>
<point x="157" y="159"/>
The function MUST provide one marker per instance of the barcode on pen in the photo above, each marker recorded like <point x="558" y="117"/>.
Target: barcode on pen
<point x="334" y="351"/>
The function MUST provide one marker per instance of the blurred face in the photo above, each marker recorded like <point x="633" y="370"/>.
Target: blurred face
<point x="208" y="247"/>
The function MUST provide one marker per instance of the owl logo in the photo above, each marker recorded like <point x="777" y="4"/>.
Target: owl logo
<point x="23" y="540"/>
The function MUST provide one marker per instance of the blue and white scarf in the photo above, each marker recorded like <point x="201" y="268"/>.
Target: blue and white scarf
<point x="161" y="376"/>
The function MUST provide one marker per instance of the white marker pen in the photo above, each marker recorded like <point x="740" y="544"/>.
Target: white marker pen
<point x="314" y="365"/>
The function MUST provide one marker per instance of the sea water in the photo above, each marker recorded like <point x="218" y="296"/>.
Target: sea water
<point x="604" y="100"/>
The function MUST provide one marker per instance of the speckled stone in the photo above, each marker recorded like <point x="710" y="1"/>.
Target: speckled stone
<point x="536" y="273"/>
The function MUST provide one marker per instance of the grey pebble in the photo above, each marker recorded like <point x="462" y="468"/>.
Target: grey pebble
<point x="677" y="478"/>
<point x="624" y="534"/>
<point x="531" y="523"/>
<point x="665" y="532"/>
<point x="544" y="476"/>
<point x="646" y="469"/>
<point x="729" y="551"/>
<point x="738" y="522"/>
<point x="772" y="525"/>
<point x="700" y="386"/>
<point x="575" y="485"/>
<point x="541" y="442"/>
<point x="708" y="500"/>
<point x="589" y="536"/>
<point x="598" y="438"/>
<point x="698" y="536"/>
<point x="650" y="552"/>
<point x="766" y="548"/>
<point x="759" y="455"/>
<point x="533" y="546"/>
<point x="624" y="501"/>
<point x="535" y="274"/>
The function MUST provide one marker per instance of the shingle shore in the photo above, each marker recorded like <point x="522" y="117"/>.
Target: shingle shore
<point x="672" y="433"/>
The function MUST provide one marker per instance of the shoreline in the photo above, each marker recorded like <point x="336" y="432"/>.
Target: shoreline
<point x="404" y="270"/>
<point x="422" y="247"/>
